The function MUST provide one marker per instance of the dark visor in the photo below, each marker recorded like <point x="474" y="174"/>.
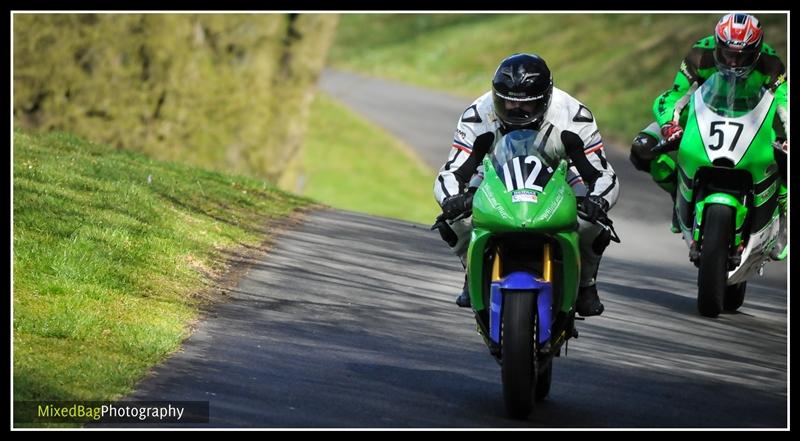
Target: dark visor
<point x="518" y="112"/>
<point x="735" y="58"/>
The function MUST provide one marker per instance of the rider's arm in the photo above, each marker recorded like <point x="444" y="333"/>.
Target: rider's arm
<point x="462" y="163"/>
<point x="594" y="168"/>
<point x="694" y="69"/>
<point x="666" y="103"/>
<point x="583" y="146"/>
<point x="782" y="106"/>
<point x="605" y="184"/>
<point x="775" y="77"/>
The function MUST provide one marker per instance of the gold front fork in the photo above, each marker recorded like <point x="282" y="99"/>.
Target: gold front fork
<point x="547" y="269"/>
<point x="547" y="266"/>
<point x="496" y="267"/>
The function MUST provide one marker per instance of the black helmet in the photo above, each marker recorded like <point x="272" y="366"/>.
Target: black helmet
<point x="521" y="90"/>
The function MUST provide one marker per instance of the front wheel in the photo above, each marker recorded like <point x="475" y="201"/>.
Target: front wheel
<point x="734" y="297"/>
<point x="712" y="278"/>
<point x="543" y="381"/>
<point x="518" y="370"/>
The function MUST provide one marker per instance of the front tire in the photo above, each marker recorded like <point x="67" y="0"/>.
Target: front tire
<point x="543" y="381"/>
<point x="712" y="278"/>
<point x="518" y="372"/>
<point x="734" y="297"/>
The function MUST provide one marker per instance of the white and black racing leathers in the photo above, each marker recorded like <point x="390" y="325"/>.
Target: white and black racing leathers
<point x="564" y="113"/>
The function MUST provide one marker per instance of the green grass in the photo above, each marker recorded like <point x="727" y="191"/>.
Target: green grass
<point x="351" y="164"/>
<point x="111" y="250"/>
<point x="615" y="63"/>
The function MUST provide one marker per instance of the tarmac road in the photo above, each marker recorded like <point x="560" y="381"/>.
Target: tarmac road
<point x="350" y="322"/>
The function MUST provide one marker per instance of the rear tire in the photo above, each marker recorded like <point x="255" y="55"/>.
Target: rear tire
<point x="712" y="278"/>
<point x="518" y="372"/>
<point x="734" y="297"/>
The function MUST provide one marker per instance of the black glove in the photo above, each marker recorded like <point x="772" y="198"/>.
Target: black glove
<point x="454" y="206"/>
<point x="592" y="208"/>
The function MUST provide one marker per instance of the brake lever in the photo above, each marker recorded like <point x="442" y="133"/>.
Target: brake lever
<point x="665" y="146"/>
<point x="606" y="223"/>
<point x="609" y="226"/>
<point x="441" y="218"/>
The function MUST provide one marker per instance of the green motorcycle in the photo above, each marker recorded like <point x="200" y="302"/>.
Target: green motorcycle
<point x="523" y="261"/>
<point x="728" y="185"/>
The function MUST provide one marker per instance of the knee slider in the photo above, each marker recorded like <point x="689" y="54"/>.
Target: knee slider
<point x="641" y="153"/>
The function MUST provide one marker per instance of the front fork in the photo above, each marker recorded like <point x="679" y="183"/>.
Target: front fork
<point x="663" y="170"/>
<point x="735" y="257"/>
<point x="522" y="281"/>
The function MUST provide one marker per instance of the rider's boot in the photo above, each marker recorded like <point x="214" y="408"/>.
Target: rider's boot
<point x="463" y="298"/>
<point x="781" y="248"/>
<point x="588" y="303"/>
<point x="662" y="169"/>
<point x="675" y="227"/>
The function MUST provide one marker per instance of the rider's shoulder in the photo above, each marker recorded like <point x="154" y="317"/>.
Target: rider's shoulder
<point x="565" y="110"/>
<point x="771" y="66"/>
<point x="700" y="57"/>
<point x="768" y="51"/>
<point x="484" y="102"/>
<point x="705" y="43"/>
<point x="480" y="112"/>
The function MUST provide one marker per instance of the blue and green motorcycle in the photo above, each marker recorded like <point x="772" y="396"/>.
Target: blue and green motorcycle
<point x="523" y="261"/>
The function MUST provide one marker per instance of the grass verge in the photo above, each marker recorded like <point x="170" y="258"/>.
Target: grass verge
<point x="349" y="163"/>
<point x="110" y="252"/>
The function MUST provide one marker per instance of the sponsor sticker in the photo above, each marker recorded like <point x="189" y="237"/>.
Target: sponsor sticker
<point x="493" y="202"/>
<point x="518" y="196"/>
<point x="685" y="69"/>
<point x="780" y="80"/>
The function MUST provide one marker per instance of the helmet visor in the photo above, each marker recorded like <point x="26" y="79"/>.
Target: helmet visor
<point x="519" y="111"/>
<point x="738" y="61"/>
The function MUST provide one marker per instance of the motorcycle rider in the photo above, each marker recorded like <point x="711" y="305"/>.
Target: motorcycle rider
<point x="735" y="50"/>
<point x="523" y="97"/>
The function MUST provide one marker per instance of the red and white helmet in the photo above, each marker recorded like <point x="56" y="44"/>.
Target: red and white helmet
<point x="738" y="40"/>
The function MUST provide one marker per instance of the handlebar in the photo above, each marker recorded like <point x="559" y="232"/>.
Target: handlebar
<point x="605" y="222"/>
